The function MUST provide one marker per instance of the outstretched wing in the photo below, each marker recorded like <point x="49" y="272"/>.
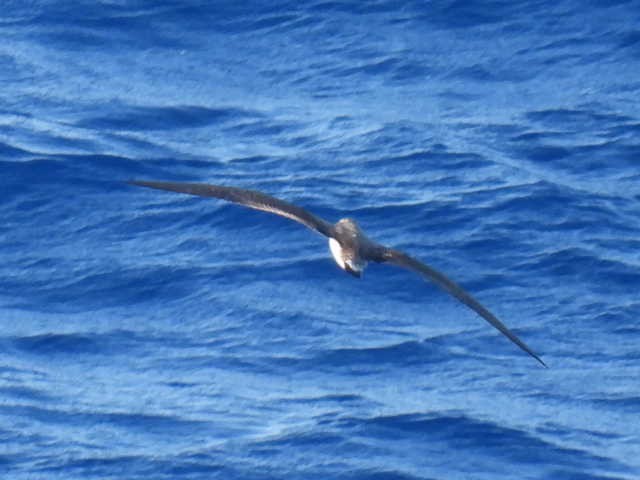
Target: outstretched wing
<point x="248" y="198"/>
<point x="401" y="259"/>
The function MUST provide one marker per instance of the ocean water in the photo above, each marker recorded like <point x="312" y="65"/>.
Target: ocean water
<point x="151" y="335"/>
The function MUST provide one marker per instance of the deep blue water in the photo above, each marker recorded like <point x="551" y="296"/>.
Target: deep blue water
<point x="150" y="335"/>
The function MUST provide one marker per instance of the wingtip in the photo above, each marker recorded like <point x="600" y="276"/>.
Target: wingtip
<point x="541" y="361"/>
<point x="530" y="352"/>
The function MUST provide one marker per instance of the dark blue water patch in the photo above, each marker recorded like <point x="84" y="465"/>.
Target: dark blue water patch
<point x="87" y="173"/>
<point x="164" y="425"/>
<point x="434" y="159"/>
<point x="331" y="399"/>
<point x="628" y="403"/>
<point x="95" y="26"/>
<point x="33" y="172"/>
<point x="485" y="243"/>
<point x="261" y="23"/>
<point x="157" y="221"/>
<point x="621" y="319"/>
<point x="108" y="172"/>
<point x="411" y="72"/>
<point x="629" y="129"/>
<point x="231" y="362"/>
<point x="607" y="156"/>
<point x="569" y="60"/>
<point x="466" y="434"/>
<point x="373" y="68"/>
<point x="187" y="169"/>
<point x="357" y="8"/>
<point x="230" y="276"/>
<point x="148" y="148"/>
<point x="565" y="119"/>
<point x="15" y="439"/>
<point x="62" y="143"/>
<point x="126" y="286"/>
<point x="555" y="428"/>
<point x="253" y="160"/>
<point x="275" y="319"/>
<point x="149" y="118"/>
<point x="114" y="342"/>
<point x="25" y="393"/>
<point x="548" y="207"/>
<point x="538" y="137"/>
<point x="372" y="358"/>
<point x="258" y="128"/>
<point x="351" y="361"/>
<point x="386" y="282"/>
<point x="462" y="14"/>
<point x="612" y="3"/>
<point x="10" y="151"/>
<point x="595" y="157"/>
<point x="408" y="215"/>
<point x="578" y="265"/>
<point x="75" y="38"/>
<point x="631" y="41"/>
<point x="273" y="163"/>
<point x="12" y="69"/>
<point x="379" y="474"/>
<point x="393" y="138"/>
<point x="565" y="44"/>
<point x="139" y="467"/>
<point x="488" y="72"/>
<point x="545" y="153"/>
<point x="581" y="475"/>
<point x="313" y="439"/>
<point x="387" y="69"/>
<point x="329" y="446"/>
<point x="48" y="344"/>
<point x="232" y="18"/>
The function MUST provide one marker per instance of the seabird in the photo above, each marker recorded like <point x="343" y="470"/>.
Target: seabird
<point x="350" y="247"/>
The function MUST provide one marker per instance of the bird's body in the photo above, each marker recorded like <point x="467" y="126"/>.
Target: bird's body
<point x="349" y="246"/>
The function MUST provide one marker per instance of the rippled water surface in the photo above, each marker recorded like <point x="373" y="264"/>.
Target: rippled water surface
<point x="151" y="335"/>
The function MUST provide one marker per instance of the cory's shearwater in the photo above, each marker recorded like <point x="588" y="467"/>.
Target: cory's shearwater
<point x="350" y="247"/>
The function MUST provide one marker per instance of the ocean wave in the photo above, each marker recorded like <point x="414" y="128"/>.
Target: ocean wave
<point x="147" y="334"/>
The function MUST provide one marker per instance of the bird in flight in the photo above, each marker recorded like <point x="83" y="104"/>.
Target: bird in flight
<point x="350" y="247"/>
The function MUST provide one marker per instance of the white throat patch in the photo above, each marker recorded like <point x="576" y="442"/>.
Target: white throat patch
<point x="336" y="251"/>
